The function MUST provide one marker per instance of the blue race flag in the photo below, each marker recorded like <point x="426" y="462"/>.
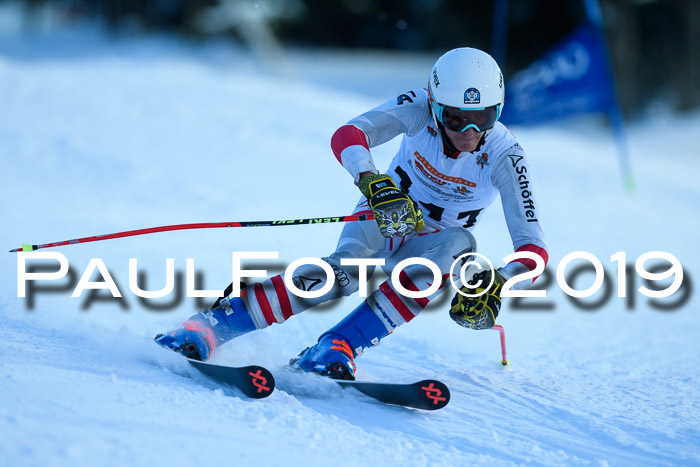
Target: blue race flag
<point x="571" y="79"/>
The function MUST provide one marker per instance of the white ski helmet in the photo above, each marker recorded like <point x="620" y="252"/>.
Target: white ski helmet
<point x="466" y="90"/>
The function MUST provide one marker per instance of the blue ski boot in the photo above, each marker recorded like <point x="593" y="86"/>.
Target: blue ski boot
<point x="193" y="340"/>
<point x="334" y="354"/>
<point x="203" y="332"/>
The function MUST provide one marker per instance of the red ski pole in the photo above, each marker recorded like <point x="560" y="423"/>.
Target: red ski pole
<point x="499" y="328"/>
<point x="205" y="225"/>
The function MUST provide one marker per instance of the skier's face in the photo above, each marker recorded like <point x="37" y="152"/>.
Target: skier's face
<point x="466" y="141"/>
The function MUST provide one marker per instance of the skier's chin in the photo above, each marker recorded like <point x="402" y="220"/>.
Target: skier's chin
<point x="464" y="142"/>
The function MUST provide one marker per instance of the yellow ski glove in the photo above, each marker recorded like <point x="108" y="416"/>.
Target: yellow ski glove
<point x="395" y="212"/>
<point x="479" y="312"/>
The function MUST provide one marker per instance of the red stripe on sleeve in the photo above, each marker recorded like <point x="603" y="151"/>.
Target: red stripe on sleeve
<point x="529" y="263"/>
<point x="346" y="136"/>
<point x="408" y="284"/>
<point x="396" y="301"/>
<point x="264" y="304"/>
<point x="282" y="296"/>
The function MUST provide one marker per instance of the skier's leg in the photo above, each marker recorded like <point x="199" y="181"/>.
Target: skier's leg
<point x="385" y="309"/>
<point x="269" y="302"/>
<point x="442" y="248"/>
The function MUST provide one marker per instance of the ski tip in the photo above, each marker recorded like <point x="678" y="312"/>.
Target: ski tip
<point x="436" y="394"/>
<point x="262" y="382"/>
<point x="254" y="381"/>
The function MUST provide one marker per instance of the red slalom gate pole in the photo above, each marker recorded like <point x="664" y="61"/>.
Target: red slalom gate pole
<point x="499" y="328"/>
<point x="205" y="225"/>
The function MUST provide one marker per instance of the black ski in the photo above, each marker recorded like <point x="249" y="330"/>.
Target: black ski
<point x="428" y="394"/>
<point x="253" y="380"/>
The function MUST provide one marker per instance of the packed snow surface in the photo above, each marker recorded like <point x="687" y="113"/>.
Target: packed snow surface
<point x="101" y="135"/>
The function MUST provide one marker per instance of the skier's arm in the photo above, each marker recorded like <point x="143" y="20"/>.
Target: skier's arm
<point x="510" y="175"/>
<point x="351" y="147"/>
<point x="479" y="309"/>
<point x="351" y="143"/>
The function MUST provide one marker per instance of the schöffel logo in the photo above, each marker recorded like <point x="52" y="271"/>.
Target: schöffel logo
<point x="524" y="184"/>
<point x="472" y="96"/>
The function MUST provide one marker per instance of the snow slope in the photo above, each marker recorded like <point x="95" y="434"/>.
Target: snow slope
<point x="98" y="136"/>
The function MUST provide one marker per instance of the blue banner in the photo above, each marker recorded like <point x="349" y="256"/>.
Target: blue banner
<point x="572" y="79"/>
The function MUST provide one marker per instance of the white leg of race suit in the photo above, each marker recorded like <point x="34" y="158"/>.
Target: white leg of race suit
<point x="270" y="302"/>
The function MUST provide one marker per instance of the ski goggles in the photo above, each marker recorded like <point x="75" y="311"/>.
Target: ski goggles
<point x="459" y="120"/>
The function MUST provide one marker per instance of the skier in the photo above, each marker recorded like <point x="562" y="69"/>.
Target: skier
<point x="455" y="158"/>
